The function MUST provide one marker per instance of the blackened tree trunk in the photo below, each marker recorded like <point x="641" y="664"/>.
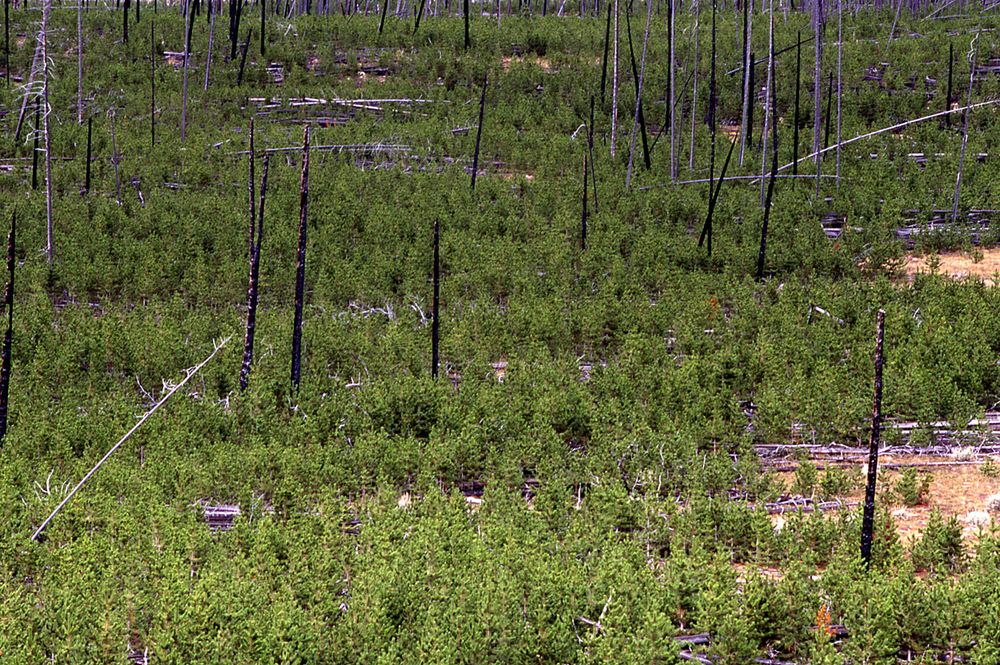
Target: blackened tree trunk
<point x="479" y="132"/>
<point x="706" y="230"/>
<point x="152" y="83"/>
<point x="769" y="197"/>
<point x="5" y="357"/>
<point x="868" y="520"/>
<point x="604" y="60"/>
<point x="436" y="303"/>
<point x="583" y="216"/>
<point x="90" y="134"/>
<point x="252" y="289"/>
<point x="243" y="57"/>
<point x="128" y="6"/>
<point x="947" y="97"/>
<point x="465" y="13"/>
<point x="798" y="87"/>
<point x="300" y="264"/>
<point x="251" y="186"/>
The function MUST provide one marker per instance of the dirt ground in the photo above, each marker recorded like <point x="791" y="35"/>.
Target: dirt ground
<point x="962" y="491"/>
<point x="959" y="265"/>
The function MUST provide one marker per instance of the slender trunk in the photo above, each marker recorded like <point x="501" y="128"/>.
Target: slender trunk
<point x="768" y="117"/>
<point x="798" y="87"/>
<point x="706" y="230"/>
<point x="436" y="303"/>
<point x="947" y="98"/>
<point x="892" y="31"/>
<point x="638" y="98"/>
<point x="90" y="134"/>
<point x="125" y="11"/>
<point x="252" y="289"/>
<point x="300" y="264"/>
<point x="35" y="68"/>
<point x="772" y="99"/>
<point x="420" y="13"/>
<point x="263" y="27"/>
<point x="479" y="132"/>
<point x="840" y="78"/>
<point x="604" y="59"/>
<point x="5" y="357"/>
<point x="965" y="130"/>
<point x="590" y="149"/>
<point x="46" y="10"/>
<point x="868" y="519"/>
<point x="747" y="74"/>
<point x="243" y="57"/>
<point x="671" y="110"/>
<point x="79" y="60"/>
<point x="251" y="186"/>
<point x="614" y="86"/>
<point x="381" y="21"/>
<point x="465" y="13"/>
<point x="34" y="149"/>
<point x="635" y="84"/>
<point x="211" y="38"/>
<point x="754" y="88"/>
<point x="694" y="87"/>
<point x="583" y="216"/>
<point x="115" y="160"/>
<point x="817" y="81"/>
<point x="152" y="82"/>
<point x="711" y="108"/>
<point x="6" y="41"/>
<point x="187" y="57"/>
<point x="829" y="110"/>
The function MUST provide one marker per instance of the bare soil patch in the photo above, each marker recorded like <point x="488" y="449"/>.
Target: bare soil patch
<point x="983" y="264"/>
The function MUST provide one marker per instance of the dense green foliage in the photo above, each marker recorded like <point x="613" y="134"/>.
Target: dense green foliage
<point x="639" y="519"/>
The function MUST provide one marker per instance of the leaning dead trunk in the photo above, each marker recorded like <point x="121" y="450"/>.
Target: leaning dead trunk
<point x="300" y="264"/>
<point x="5" y="356"/>
<point x="772" y="99"/>
<point x="747" y="65"/>
<point x="251" y="185"/>
<point x="638" y="99"/>
<point x="252" y="289"/>
<point x="965" y="130"/>
<point x="479" y="132"/>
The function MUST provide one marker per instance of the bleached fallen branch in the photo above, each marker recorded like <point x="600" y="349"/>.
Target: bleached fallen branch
<point x="939" y="114"/>
<point x="125" y="438"/>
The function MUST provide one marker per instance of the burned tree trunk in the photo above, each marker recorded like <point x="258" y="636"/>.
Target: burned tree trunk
<point x="583" y="216"/>
<point x="479" y="132"/>
<point x="706" y="231"/>
<point x="300" y="264"/>
<point x="868" y="519"/>
<point x="34" y="148"/>
<point x="5" y="356"/>
<point x="251" y="185"/>
<point x="152" y="82"/>
<point x="436" y="303"/>
<point x="798" y="86"/>
<point x="252" y="289"/>
<point x="90" y="134"/>
<point x="769" y="197"/>
<point x="243" y="57"/>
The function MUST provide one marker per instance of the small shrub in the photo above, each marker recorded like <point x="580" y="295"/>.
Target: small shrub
<point x="806" y="477"/>
<point x="940" y="548"/>
<point x="912" y="488"/>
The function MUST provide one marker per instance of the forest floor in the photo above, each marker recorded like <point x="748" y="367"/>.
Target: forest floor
<point x="982" y="263"/>
<point x="962" y="491"/>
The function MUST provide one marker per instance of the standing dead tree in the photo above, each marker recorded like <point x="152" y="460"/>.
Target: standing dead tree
<point x="43" y="35"/>
<point x="436" y="303"/>
<point x="300" y="264"/>
<point x="5" y="355"/>
<point x="965" y="129"/>
<point x="252" y="289"/>
<point x="868" y="519"/>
